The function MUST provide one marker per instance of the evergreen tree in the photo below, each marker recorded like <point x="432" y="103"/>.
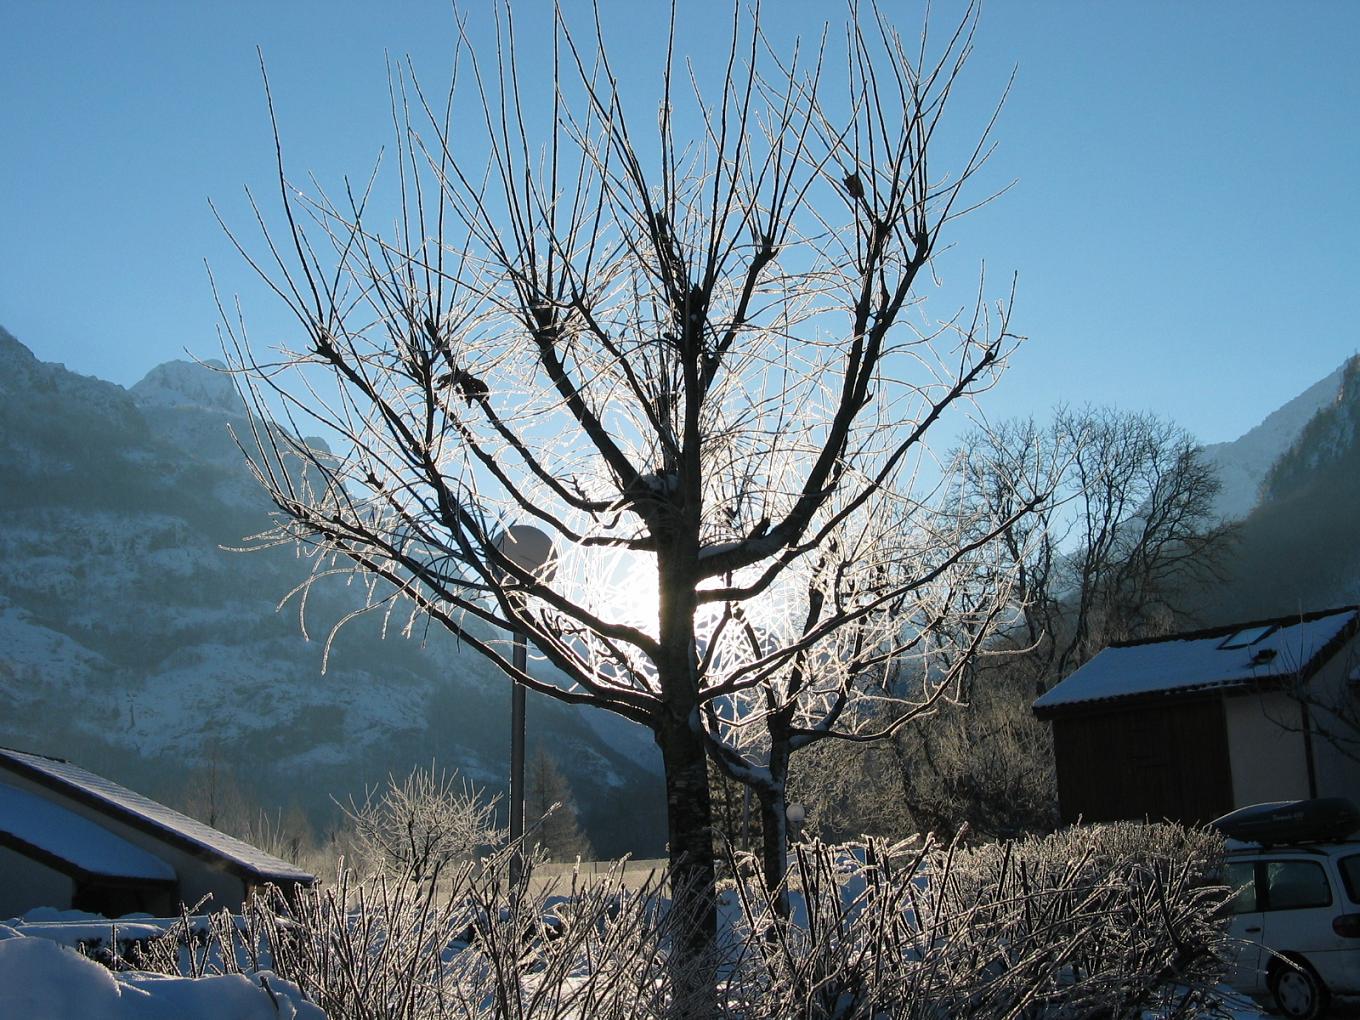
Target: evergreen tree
<point x="550" y="811"/>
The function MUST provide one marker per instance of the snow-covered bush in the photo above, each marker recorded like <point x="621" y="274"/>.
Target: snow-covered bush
<point x="464" y="946"/>
<point x="1100" y="921"/>
<point x="1115" y="922"/>
<point x="1108" y="920"/>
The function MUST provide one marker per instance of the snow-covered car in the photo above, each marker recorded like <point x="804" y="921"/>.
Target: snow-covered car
<point x="1295" y="918"/>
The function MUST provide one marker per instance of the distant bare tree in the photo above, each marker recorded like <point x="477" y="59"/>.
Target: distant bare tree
<point x="1121" y="549"/>
<point x="1330" y="715"/>
<point x="212" y="794"/>
<point x="1335" y="717"/>
<point x="984" y="762"/>
<point x="691" y="360"/>
<point x="417" y="827"/>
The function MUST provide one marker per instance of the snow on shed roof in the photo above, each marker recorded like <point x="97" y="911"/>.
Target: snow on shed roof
<point x="56" y="831"/>
<point x="1183" y="663"/>
<point x="143" y="812"/>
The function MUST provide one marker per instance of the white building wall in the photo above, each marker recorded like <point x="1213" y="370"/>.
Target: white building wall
<point x="1338" y="772"/>
<point x="1267" y="759"/>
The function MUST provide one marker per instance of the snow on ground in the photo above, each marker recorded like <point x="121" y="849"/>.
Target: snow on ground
<point x="1238" y="1007"/>
<point x="41" y="980"/>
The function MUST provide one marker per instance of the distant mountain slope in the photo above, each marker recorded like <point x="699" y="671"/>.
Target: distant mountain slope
<point x="1243" y="463"/>
<point x="133" y="641"/>
<point x="1300" y="547"/>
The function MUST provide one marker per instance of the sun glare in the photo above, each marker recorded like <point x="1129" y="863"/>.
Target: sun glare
<point x="626" y="591"/>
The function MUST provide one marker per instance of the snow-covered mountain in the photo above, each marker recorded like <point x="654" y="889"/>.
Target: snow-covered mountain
<point x="1243" y="463"/>
<point x="134" y="641"/>
<point x="1296" y="546"/>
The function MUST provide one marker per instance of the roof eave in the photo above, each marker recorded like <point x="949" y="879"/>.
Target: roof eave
<point x="1089" y="706"/>
<point x="241" y="870"/>
<point x="75" y="871"/>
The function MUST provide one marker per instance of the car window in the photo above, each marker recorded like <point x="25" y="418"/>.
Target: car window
<point x="1350" y="874"/>
<point x="1240" y="876"/>
<point x="1294" y="884"/>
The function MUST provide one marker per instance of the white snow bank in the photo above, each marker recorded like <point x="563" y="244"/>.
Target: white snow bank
<point x="40" y="980"/>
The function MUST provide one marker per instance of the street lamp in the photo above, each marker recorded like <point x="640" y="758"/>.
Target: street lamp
<point x="532" y="551"/>
<point x="796" y="813"/>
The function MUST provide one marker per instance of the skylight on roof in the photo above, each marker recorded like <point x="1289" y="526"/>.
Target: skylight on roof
<point x="1246" y="636"/>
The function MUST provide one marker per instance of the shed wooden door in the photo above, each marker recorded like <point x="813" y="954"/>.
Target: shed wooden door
<point x="1153" y="761"/>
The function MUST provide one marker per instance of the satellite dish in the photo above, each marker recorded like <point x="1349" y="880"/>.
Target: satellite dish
<point x="529" y="549"/>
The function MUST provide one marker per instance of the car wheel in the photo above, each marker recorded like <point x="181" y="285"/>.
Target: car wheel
<point x="1298" y="992"/>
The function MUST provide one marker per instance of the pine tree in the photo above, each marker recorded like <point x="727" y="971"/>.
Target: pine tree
<point x="556" y="829"/>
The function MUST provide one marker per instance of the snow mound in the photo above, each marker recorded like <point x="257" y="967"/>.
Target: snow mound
<point x="44" y="981"/>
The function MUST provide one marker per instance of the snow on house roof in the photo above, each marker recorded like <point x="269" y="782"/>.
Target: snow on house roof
<point x="46" y="826"/>
<point x="1235" y="656"/>
<point x="121" y="803"/>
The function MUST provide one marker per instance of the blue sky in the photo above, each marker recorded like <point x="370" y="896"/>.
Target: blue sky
<point x="1183" y="223"/>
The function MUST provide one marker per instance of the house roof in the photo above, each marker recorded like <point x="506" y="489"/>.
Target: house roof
<point x="43" y="829"/>
<point x="1223" y="658"/>
<point x="122" y="804"/>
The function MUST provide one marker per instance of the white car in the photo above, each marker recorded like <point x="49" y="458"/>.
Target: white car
<point x="1295" y="923"/>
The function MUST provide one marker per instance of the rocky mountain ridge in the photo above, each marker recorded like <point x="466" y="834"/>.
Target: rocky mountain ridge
<point x="135" y="641"/>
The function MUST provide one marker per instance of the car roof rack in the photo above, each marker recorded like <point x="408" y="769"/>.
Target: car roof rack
<point x="1291" y="822"/>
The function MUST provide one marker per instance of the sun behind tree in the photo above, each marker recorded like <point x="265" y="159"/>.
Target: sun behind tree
<point x="702" y="347"/>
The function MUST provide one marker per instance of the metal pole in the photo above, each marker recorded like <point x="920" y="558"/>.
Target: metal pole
<point x="746" y="819"/>
<point x="521" y="659"/>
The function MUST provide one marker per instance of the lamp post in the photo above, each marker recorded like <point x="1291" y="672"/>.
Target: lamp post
<point x="796" y="813"/>
<point x="532" y="551"/>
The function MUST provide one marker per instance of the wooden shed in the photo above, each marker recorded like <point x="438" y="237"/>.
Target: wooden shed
<point x="71" y="839"/>
<point x="1190" y="726"/>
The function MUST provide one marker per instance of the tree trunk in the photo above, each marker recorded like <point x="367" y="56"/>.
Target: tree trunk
<point x="775" y="844"/>
<point x="774" y="817"/>
<point x="689" y="819"/>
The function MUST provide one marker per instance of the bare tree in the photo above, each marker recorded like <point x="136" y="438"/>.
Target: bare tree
<point x="925" y="595"/>
<point x="1325" y="710"/>
<point x="1334" y="716"/>
<point x="212" y="793"/>
<point x="1119" y="549"/>
<point x="413" y="829"/>
<point x="1122" y="547"/>
<point x="691" y="359"/>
